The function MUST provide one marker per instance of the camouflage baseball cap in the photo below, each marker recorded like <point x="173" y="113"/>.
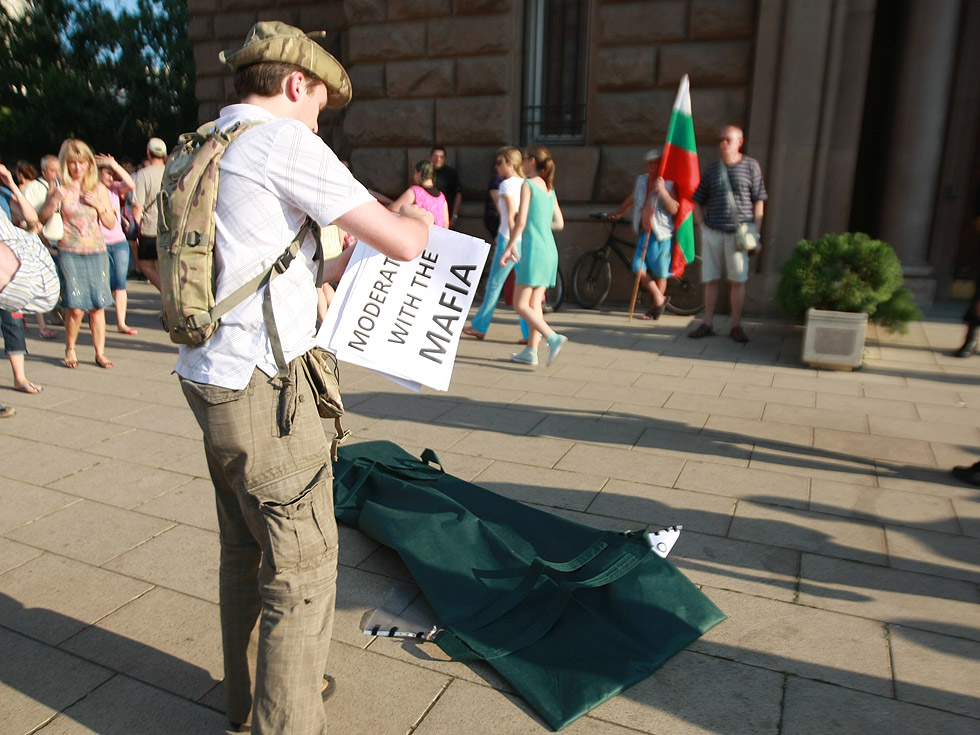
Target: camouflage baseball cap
<point x="273" y="40"/>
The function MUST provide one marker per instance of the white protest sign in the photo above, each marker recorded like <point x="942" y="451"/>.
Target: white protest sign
<point x="404" y="319"/>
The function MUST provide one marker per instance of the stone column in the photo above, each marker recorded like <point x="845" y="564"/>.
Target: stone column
<point x="925" y="73"/>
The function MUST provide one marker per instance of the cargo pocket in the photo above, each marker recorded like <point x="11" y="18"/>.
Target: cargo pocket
<point x="302" y="529"/>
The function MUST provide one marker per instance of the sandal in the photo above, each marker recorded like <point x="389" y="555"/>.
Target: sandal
<point x="126" y="330"/>
<point x="469" y="331"/>
<point x="28" y="387"/>
<point x="103" y="362"/>
<point x="72" y="361"/>
<point x="704" y="330"/>
<point x="47" y="333"/>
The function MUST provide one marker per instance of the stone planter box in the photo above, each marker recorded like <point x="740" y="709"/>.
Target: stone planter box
<point x="834" y="339"/>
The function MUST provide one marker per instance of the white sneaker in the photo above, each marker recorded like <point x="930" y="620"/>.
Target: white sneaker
<point x="554" y="347"/>
<point x="526" y="357"/>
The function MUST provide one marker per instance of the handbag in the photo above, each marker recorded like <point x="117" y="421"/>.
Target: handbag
<point x="54" y="229"/>
<point x="746" y="237"/>
<point x="323" y="374"/>
<point x="568" y="614"/>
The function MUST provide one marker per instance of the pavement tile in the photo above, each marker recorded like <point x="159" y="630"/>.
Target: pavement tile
<point x="13" y="554"/>
<point x="662" y="418"/>
<point x="726" y="406"/>
<point x="968" y="515"/>
<point x="587" y="373"/>
<point x="162" y="638"/>
<point x="355" y="547"/>
<point x="119" y="483"/>
<point x="38" y="464"/>
<point x="930" y="552"/>
<point x="605" y="430"/>
<point x="735" y="374"/>
<point x="822" y="417"/>
<point x="38" y="680"/>
<point x="960" y="414"/>
<point x="762" y="486"/>
<point x="893" y="507"/>
<point x="688" y="445"/>
<point x="622" y="464"/>
<point x="623" y="394"/>
<point x="377" y="694"/>
<point x="724" y="563"/>
<point x="401" y="405"/>
<point x="816" y="708"/>
<point x="89" y="531"/>
<point x="74" y="432"/>
<point x="192" y="504"/>
<point x="461" y="465"/>
<point x="359" y="593"/>
<point x="789" y="396"/>
<point x="936" y="670"/>
<point x="663" y="365"/>
<point x="163" y="561"/>
<point x="167" y="419"/>
<point x="23" y="502"/>
<point x="924" y="480"/>
<point x="920" y="601"/>
<point x="658" y="506"/>
<point x="926" y="430"/>
<point x="123" y="705"/>
<point x="697" y="386"/>
<point x="508" y="419"/>
<point x="99" y="407"/>
<point x="760" y="432"/>
<point x="51" y="598"/>
<point x="796" y="639"/>
<point x="951" y="455"/>
<point x="385" y="562"/>
<point x="815" y="384"/>
<point x="525" y="379"/>
<point x="583" y="404"/>
<point x="744" y="700"/>
<point x="540" y="451"/>
<point x="939" y="396"/>
<point x="879" y="447"/>
<point x="814" y="463"/>
<point x="818" y="533"/>
<point x="430" y="434"/>
<point x="541" y="485"/>
<point x="153" y="449"/>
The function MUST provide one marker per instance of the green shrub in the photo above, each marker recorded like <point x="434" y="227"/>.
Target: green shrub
<point x="847" y="272"/>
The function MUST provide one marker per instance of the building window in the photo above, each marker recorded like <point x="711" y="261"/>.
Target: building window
<point x="556" y="62"/>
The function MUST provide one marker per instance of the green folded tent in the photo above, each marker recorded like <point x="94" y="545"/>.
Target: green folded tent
<point x="570" y="615"/>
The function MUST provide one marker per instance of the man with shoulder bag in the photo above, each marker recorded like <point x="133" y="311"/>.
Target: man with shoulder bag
<point x="728" y="205"/>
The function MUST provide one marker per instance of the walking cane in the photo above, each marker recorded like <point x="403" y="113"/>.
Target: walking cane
<point x="636" y="282"/>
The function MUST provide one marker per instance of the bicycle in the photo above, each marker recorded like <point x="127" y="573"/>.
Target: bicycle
<point x="592" y="275"/>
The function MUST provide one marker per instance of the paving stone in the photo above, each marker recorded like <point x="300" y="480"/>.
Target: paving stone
<point x="533" y="450"/>
<point x="38" y="680"/>
<point x="585" y="373"/>
<point x="818" y="533"/>
<point x="150" y="448"/>
<point x="893" y="449"/>
<point x="606" y="431"/>
<point x="815" y="708"/>
<point x="968" y="515"/>
<point x="52" y="597"/>
<point x="744" y="700"/>
<point x="167" y="419"/>
<point x="164" y="561"/>
<point x="801" y="640"/>
<point x="925" y="430"/>
<point x="119" y="483"/>
<point x="735" y="374"/>
<point x="789" y="396"/>
<point x="688" y="445"/>
<point x="869" y="406"/>
<point x="123" y="705"/>
<point x="13" y="554"/>
<point x="940" y="397"/>
<point x="192" y="504"/>
<point x="893" y="507"/>
<point x="930" y="552"/>
<point x="950" y="455"/>
<point x="696" y="386"/>
<point x="355" y="547"/>
<point x="622" y="394"/>
<point x="359" y="593"/>
<point x="960" y="414"/>
<point x="510" y="419"/>
<point x="812" y="383"/>
<point x="75" y="432"/>
<point x="663" y="418"/>
<point x="920" y="601"/>
<point x="541" y="485"/>
<point x="430" y="434"/>
<point x="23" y="502"/>
<point x="524" y="379"/>
<point x="767" y="433"/>
<point x="379" y="695"/>
<point x="663" y="506"/>
<point x="724" y="563"/>
<point x="936" y="670"/>
<point x="163" y="638"/>
<point x="415" y="407"/>
<point x="925" y="480"/>
<point x="726" y="406"/>
<point x="21" y="460"/>
<point x="581" y="405"/>
<point x="822" y="417"/>
<point x="99" y="407"/>
<point x="762" y="486"/>
<point x="623" y="464"/>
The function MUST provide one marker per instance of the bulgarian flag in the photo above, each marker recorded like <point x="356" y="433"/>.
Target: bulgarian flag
<point x="680" y="165"/>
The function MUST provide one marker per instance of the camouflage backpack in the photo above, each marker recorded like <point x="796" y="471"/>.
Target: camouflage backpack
<point x="185" y="242"/>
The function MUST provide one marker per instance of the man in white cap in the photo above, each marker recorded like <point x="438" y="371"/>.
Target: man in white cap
<point x="653" y="221"/>
<point x="148" y="181"/>
<point x="267" y="453"/>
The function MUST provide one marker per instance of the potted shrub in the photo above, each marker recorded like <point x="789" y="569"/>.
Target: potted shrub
<point x="839" y="283"/>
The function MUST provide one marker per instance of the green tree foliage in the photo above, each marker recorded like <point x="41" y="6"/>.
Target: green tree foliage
<point x="73" y="69"/>
<point x="847" y="272"/>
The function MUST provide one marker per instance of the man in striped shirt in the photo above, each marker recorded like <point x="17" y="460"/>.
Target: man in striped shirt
<point x="713" y="211"/>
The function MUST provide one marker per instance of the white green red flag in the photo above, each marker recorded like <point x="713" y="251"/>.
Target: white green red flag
<point x="680" y="165"/>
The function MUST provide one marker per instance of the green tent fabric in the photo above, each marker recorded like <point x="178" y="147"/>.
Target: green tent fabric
<point x="570" y="615"/>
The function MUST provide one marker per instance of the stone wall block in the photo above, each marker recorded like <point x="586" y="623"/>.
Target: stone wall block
<point x="200" y="28"/>
<point x="623" y="117"/>
<point x="426" y="78"/>
<point x="642" y="22"/>
<point x="244" y="4"/>
<point x="389" y="123"/>
<point x="413" y="9"/>
<point x="380" y="169"/>
<point x="367" y="81"/>
<point x="365" y="11"/>
<point x="209" y="89"/>
<point x="233" y="25"/>
<point x="575" y="170"/>
<point x="387" y="42"/>
<point x="483" y="75"/>
<point x="625" y="67"/>
<point x="712" y="109"/>
<point x="473" y="120"/>
<point x="322" y="16"/>
<point x="291" y="16"/>
<point x="468" y="36"/>
<point x="481" y="7"/>
<point x="206" y="58"/>
<point x="722" y="19"/>
<point x="475" y="167"/>
<point x="618" y="168"/>
<point x="197" y="7"/>
<point x="720" y="62"/>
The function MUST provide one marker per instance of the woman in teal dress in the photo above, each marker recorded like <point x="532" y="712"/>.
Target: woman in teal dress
<point x="537" y="264"/>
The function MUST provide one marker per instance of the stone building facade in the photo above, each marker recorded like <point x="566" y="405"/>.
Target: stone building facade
<point x="864" y="114"/>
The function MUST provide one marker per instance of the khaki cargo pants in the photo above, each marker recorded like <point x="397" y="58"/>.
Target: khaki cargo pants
<point x="270" y="463"/>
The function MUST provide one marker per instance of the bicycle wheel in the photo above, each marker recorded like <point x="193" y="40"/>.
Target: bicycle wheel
<point x="687" y="292"/>
<point x="554" y="296"/>
<point x="591" y="279"/>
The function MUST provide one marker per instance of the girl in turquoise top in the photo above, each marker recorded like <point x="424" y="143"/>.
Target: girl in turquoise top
<point x="537" y="264"/>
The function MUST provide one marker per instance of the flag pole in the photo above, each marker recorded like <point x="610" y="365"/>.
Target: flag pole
<point x="643" y="257"/>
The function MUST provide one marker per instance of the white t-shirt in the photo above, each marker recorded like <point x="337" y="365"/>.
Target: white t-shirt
<point x="148" y="181"/>
<point x="271" y="178"/>
<point x="510" y="187"/>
